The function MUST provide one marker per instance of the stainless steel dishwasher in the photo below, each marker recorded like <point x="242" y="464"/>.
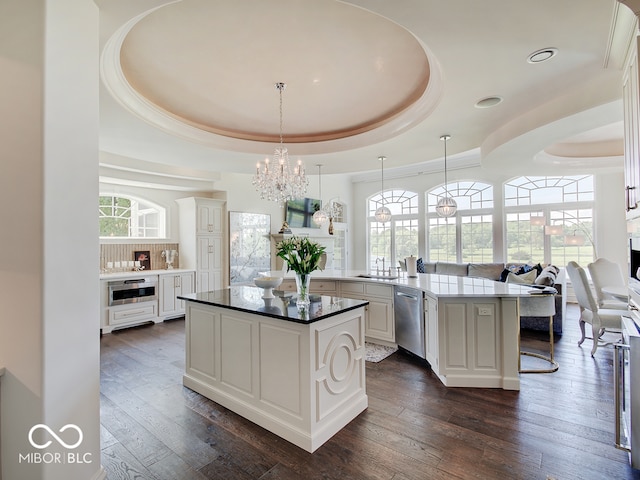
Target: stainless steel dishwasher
<point x="409" y="318"/>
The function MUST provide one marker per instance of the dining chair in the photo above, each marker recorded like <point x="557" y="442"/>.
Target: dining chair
<point x="605" y="273"/>
<point x="600" y="319"/>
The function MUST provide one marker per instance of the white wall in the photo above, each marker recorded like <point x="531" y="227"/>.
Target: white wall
<point x="49" y="133"/>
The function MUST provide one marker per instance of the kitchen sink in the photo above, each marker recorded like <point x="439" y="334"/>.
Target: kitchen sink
<point x="378" y="277"/>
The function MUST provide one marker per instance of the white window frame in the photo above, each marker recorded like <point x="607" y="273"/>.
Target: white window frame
<point x="574" y="212"/>
<point x="475" y="200"/>
<point x="404" y="208"/>
<point x="140" y="208"/>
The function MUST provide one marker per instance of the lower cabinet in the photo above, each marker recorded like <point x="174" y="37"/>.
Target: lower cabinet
<point x="431" y="331"/>
<point x="170" y="286"/>
<point x="163" y="306"/>
<point x="379" y="321"/>
<point x="475" y="342"/>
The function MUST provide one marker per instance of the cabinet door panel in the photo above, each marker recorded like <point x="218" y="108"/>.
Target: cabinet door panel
<point x="168" y="301"/>
<point x="379" y="322"/>
<point x="431" y="332"/>
<point x="186" y="286"/>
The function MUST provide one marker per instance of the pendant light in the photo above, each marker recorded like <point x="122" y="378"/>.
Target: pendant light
<point x="320" y="215"/>
<point x="383" y="214"/>
<point x="446" y="206"/>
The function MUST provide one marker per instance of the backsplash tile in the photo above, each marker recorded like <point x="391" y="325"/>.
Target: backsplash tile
<point x="124" y="252"/>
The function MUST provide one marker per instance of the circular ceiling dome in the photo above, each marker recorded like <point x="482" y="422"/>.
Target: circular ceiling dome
<point x="207" y="69"/>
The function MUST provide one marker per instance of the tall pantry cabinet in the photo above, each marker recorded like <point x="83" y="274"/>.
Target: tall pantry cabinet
<point x="202" y="242"/>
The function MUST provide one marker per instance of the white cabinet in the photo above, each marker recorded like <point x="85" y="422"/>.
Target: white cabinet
<point x="477" y="342"/>
<point x="170" y="286"/>
<point x="128" y="314"/>
<point x="203" y="241"/>
<point x="431" y="331"/>
<point x="316" y="286"/>
<point x="379" y="322"/>
<point x="631" y="104"/>
<point x="209" y="263"/>
<point x="208" y="217"/>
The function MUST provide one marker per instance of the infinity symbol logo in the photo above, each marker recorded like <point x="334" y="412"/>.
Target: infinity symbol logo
<point x="53" y="434"/>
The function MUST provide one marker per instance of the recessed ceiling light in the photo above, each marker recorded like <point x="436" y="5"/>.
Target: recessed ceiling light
<point x="542" y="55"/>
<point x="488" y="102"/>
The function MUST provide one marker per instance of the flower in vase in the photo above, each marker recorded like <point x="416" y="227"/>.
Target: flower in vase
<point x="301" y="254"/>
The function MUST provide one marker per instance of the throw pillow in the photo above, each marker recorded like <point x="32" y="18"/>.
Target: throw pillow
<point x="528" y="268"/>
<point x="504" y="274"/>
<point x="524" y="278"/>
<point x="420" y="265"/>
<point x="548" y="276"/>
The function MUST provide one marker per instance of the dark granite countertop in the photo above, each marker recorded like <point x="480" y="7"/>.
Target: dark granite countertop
<point x="249" y="299"/>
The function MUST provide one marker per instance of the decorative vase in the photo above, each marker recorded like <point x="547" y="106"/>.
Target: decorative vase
<point x="302" y="289"/>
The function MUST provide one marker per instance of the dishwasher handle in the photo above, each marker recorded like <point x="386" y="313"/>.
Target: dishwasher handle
<point x="407" y="295"/>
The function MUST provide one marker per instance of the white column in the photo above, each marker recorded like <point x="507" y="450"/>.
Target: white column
<point x="49" y="287"/>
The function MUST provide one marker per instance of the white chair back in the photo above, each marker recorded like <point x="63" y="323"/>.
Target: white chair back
<point x="605" y="273"/>
<point x="580" y="285"/>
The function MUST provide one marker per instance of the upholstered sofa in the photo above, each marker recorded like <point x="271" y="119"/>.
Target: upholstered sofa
<point x="496" y="272"/>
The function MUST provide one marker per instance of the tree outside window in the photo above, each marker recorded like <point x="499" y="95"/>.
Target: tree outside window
<point x="398" y="238"/>
<point x="468" y="235"/>
<point x="128" y="217"/>
<point x="549" y="219"/>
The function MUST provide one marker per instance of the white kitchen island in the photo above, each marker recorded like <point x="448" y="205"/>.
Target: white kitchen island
<point x="300" y="375"/>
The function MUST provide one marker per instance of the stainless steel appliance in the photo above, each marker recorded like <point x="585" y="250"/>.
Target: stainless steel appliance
<point x="409" y="318"/>
<point x="627" y="387"/>
<point x="132" y="290"/>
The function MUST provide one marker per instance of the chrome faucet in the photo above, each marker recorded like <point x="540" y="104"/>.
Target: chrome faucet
<point x="377" y="268"/>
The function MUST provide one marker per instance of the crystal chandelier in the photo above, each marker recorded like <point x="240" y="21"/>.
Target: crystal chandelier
<point x="280" y="182"/>
<point x="383" y="214"/>
<point x="446" y="206"/>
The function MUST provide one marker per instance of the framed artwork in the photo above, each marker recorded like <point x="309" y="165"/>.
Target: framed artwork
<point x="144" y="257"/>
<point x="249" y="246"/>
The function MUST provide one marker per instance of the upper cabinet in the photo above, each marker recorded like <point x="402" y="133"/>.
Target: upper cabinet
<point x="630" y="99"/>
<point x="208" y="216"/>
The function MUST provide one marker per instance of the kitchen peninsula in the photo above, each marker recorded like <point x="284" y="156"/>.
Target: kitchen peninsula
<point x="471" y="324"/>
<point x="298" y="373"/>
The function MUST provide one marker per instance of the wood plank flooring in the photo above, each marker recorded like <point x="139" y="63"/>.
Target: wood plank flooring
<point x="559" y="426"/>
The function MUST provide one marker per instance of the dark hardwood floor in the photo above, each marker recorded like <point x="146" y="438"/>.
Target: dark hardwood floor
<point x="559" y="426"/>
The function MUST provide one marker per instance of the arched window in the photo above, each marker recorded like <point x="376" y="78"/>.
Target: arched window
<point x="549" y="219"/>
<point x="468" y="235"/>
<point x="398" y="238"/>
<point x="129" y="217"/>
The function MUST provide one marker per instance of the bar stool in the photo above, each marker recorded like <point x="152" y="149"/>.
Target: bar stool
<point x="539" y="305"/>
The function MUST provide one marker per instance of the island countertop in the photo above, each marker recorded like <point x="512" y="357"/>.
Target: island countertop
<point x="249" y="299"/>
<point x="434" y="284"/>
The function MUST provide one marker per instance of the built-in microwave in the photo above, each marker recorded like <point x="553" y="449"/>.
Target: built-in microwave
<point x="133" y="290"/>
